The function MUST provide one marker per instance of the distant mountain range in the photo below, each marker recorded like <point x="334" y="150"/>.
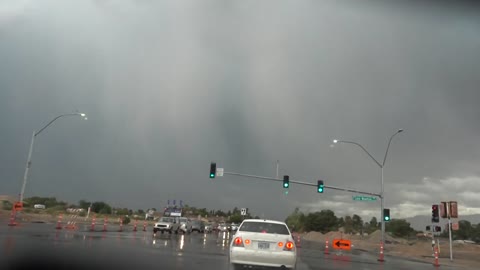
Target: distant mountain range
<point x="419" y="222"/>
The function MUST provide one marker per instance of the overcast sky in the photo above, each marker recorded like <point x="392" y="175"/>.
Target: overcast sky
<point x="169" y="86"/>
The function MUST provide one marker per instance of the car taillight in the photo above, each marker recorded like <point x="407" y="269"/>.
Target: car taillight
<point x="247" y="242"/>
<point x="280" y="244"/>
<point x="289" y="246"/>
<point x="238" y="242"/>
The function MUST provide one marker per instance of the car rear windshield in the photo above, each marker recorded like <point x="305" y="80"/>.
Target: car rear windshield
<point x="264" y="227"/>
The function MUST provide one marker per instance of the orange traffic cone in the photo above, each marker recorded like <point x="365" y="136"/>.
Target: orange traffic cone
<point x="135" y="226"/>
<point x="326" y="247"/>
<point x="92" y="228"/>
<point x="381" y="253"/>
<point x="105" y="220"/>
<point x="299" y="244"/>
<point x="145" y="226"/>
<point x="12" y="221"/>
<point x="59" y="222"/>
<point x="121" y="225"/>
<point x="435" y="262"/>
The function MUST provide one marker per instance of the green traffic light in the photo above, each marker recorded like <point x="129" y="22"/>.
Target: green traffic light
<point x="213" y="169"/>
<point x="320" y="186"/>
<point x="286" y="181"/>
<point x="386" y="214"/>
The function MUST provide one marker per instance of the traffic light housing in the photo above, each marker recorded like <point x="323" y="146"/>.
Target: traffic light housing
<point x="286" y="181"/>
<point x="443" y="209"/>
<point x="386" y="214"/>
<point x="213" y="169"/>
<point x="438" y="229"/>
<point x="453" y="209"/>
<point x="435" y="214"/>
<point x="320" y="186"/>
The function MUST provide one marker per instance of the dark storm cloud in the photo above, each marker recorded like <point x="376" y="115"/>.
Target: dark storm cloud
<point x="171" y="86"/>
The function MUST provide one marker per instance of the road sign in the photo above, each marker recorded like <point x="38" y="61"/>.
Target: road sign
<point x="453" y="209"/>
<point x="455" y="226"/>
<point x="342" y="244"/>
<point x="364" y="198"/>
<point x="18" y="206"/>
<point x="244" y="211"/>
<point x="219" y="171"/>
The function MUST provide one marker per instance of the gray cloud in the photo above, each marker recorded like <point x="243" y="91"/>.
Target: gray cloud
<point x="170" y="87"/>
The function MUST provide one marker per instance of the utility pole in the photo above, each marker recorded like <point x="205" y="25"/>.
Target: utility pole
<point x="277" y="170"/>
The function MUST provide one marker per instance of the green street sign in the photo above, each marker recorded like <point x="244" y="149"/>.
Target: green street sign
<point x="364" y="198"/>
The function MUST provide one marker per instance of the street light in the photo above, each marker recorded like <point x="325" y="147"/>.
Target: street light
<point x="34" y="134"/>
<point x="381" y="165"/>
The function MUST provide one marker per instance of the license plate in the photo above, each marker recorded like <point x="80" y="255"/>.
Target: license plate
<point x="263" y="245"/>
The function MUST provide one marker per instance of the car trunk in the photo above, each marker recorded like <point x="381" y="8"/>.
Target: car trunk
<point x="264" y="241"/>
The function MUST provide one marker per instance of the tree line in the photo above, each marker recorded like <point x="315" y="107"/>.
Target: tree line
<point x="103" y="208"/>
<point x="323" y="221"/>
<point x="466" y="231"/>
<point x="326" y="221"/>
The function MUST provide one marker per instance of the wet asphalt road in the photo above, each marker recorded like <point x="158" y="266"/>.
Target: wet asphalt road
<point x="41" y="246"/>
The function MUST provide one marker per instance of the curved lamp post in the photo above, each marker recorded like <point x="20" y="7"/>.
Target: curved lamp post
<point x="381" y="165"/>
<point x="34" y="134"/>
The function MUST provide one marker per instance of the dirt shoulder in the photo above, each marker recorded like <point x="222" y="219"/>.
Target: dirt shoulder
<point x="464" y="255"/>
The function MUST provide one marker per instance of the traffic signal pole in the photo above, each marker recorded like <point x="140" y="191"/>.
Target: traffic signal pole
<point x="450" y="230"/>
<point x="324" y="186"/>
<point x="303" y="183"/>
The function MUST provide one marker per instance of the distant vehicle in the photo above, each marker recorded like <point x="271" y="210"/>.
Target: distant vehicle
<point x="198" y="226"/>
<point x="222" y="227"/>
<point x="232" y="227"/>
<point x="185" y="225"/>
<point x="39" y="206"/>
<point x="166" y="224"/>
<point x="208" y="228"/>
<point x="149" y="215"/>
<point x="267" y="243"/>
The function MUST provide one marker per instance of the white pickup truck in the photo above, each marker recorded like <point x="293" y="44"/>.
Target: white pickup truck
<point x="166" y="224"/>
<point x="173" y="225"/>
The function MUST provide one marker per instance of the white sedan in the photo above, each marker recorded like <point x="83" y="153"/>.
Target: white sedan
<point x="260" y="242"/>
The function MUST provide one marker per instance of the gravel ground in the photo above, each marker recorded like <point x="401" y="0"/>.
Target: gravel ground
<point x="464" y="255"/>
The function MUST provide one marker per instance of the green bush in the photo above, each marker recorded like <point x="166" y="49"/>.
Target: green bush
<point x="126" y="220"/>
<point x="6" y="205"/>
<point x="49" y="202"/>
